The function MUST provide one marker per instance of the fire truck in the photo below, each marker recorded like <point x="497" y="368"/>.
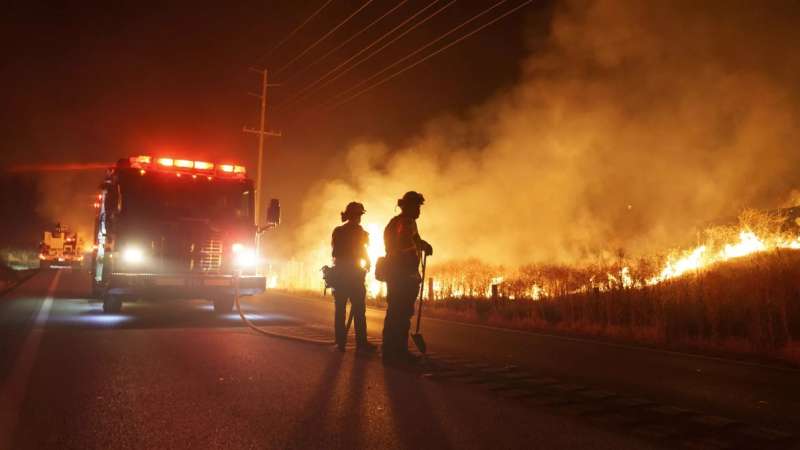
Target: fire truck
<point x="170" y="228"/>
<point x="60" y="248"/>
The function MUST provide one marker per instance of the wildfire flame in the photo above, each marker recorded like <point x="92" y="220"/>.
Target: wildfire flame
<point x="700" y="257"/>
<point x="468" y="279"/>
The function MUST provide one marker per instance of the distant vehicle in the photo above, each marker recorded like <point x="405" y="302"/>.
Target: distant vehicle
<point x="61" y="248"/>
<point x="171" y="228"/>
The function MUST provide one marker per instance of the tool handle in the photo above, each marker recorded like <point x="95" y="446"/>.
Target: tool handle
<point x="421" y="290"/>
<point x="349" y="321"/>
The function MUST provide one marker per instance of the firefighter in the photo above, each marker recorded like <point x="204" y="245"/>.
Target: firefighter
<point x="350" y="265"/>
<point x="404" y="248"/>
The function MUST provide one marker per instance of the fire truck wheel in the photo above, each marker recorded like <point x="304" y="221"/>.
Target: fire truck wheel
<point x="223" y="305"/>
<point x="112" y="304"/>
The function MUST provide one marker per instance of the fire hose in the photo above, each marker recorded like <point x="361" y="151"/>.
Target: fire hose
<point x="264" y="332"/>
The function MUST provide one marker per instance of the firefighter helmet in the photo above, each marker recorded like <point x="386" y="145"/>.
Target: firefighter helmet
<point x="411" y="198"/>
<point x="353" y="209"/>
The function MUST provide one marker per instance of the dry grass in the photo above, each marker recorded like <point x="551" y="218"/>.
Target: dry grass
<point x="750" y="305"/>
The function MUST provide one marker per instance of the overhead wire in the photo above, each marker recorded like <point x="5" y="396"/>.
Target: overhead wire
<point x="295" y="31"/>
<point x="325" y="36"/>
<point x="427" y="57"/>
<point x="417" y="51"/>
<point x="348" y="40"/>
<point x="316" y="84"/>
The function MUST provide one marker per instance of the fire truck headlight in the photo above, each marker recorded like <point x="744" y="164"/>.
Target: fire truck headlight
<point x="133" y="255"/>
<point x="244" y="256"/>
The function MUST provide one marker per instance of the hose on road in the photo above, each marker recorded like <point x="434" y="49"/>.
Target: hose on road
<point x="262" y="331"/>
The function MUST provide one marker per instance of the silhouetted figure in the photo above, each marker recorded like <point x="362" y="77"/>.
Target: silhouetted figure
<point x="350" y="265"/>
<point x="404" y="249"/>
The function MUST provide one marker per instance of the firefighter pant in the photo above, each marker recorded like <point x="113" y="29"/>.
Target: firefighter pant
<point x="355" y="291"/>
<point x="400" y="297"/>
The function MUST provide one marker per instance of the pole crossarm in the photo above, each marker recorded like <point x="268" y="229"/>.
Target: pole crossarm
<point x="265" y="133"/>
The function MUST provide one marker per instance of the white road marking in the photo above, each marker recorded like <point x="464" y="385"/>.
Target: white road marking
<point x="12" y="394"/>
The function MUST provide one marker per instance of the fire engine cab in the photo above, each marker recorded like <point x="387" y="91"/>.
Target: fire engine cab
<point x="171" y="228"/>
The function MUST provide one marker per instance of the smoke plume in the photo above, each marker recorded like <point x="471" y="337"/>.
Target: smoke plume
<point x="634" y="123"/>
<point x="66" y="198"/>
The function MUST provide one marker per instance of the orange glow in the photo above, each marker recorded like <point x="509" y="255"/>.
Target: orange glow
<point x="142" y="159"/>
<point x="184" y="163"/>
<point x="375" y="250"/>
<point x="239" y="169"/>
<point x="203" y="165"/>
<point x="227" y="168"/>
<point x="166" y="162"/>
<point x="749" y="242"/>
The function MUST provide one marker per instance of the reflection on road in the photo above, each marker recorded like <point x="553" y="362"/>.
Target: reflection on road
<point x="174" y="314"/>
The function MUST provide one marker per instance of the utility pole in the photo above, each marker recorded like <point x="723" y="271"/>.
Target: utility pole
<point x="261" y="132"/>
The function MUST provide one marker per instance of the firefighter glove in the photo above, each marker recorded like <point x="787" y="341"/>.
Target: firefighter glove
<point x="427" y="249"/>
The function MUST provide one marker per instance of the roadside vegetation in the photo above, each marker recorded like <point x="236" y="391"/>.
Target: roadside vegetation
<point x="748" y="305"/>
<point x="736" y="292"/>
<point x="19" y="259"/>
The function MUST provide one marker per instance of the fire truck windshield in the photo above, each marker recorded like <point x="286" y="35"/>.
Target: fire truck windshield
<point x="169" y="197"/>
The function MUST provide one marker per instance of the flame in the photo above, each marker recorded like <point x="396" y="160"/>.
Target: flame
<point x="538" y="292"/>
<point x="466" y="279"/>
<point x="673" y="269"/>
<point x="495" y="281"/>
<point x="748" y="243"/>
<point x="700" y="257"/>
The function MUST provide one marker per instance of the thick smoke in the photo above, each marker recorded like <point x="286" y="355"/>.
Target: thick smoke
<point x="66" y="198"/>
<point x="634" y="123"/>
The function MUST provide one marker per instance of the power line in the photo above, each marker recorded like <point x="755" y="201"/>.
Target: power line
<point x="325" y="36"/>
<point x="350" y="39"/>
<point x="415" y="52"/>
<point x="305" y="91"/>
<point x="431" y="55"/>
<point x="293" y="32"/>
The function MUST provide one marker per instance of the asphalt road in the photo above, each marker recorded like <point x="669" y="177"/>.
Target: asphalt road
<point x="177" y="376"/>
<point x="755" y="393"/>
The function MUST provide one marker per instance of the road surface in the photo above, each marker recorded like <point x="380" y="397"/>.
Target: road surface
<point x="177" y="376"/>
<point x="764" y="394"/>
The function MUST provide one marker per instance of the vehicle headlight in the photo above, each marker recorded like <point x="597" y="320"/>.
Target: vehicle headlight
<point x="133" y="255"/>
<point x="244" y="256"/>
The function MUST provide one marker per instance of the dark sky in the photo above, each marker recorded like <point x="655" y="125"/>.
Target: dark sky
<point x="88" y="82"/>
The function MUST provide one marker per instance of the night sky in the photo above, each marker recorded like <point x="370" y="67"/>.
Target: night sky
<point x="88" y="83"/>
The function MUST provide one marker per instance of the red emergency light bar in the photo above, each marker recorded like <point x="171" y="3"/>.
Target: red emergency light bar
<point x="145" y="162"/>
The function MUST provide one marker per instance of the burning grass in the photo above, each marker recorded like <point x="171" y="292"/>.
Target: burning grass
<point x="749" y="305"/>
<point x="736" y="290"/>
